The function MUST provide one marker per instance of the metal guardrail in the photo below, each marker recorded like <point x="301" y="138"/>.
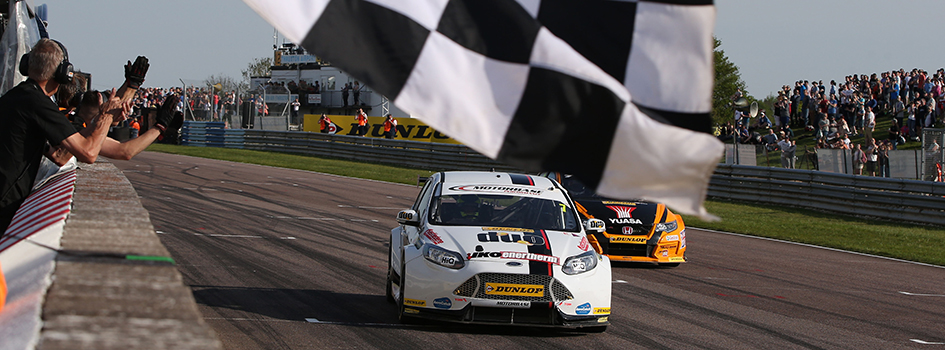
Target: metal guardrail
<point x="867" y="196"/>
<point x="894" y="199"/>
<point x="414" y="154"/>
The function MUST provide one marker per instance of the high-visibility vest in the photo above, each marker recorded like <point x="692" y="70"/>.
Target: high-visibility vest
<point x="3" y="289"/>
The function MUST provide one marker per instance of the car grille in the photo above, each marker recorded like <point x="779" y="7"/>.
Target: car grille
<point x="624" y="249"/>
<point x="637" y="229"/>
<point x="474" y="287"/>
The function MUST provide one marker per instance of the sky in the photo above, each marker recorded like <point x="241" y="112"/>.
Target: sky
<point x="773" y="42"/>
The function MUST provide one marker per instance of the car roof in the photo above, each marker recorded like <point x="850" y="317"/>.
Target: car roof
<point x="480" y="182"/>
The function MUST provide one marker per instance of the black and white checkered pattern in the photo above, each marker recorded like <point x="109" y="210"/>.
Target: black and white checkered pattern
<point x="540" y="84"/>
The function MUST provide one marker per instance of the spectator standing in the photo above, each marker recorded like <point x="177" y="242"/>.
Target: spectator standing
<point x="869" y="124"/>
<point x="324" y="123"/>
<point x="362" y="122"/>
<point x="872" y="157"/>
<point x="859" y="160"/>
<point x="357" y="93"/>
<point x="344" y="94"/>
<point x="295" y="110"/>
<point x="390" y="127"/>
<point x="788" y="149"/>
<point x="134" y="127"/>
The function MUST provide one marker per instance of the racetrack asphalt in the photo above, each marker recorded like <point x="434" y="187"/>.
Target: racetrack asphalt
<point x="289" y="259"/>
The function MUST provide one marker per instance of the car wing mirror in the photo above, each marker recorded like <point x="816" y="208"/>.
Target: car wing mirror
<point x="595" y="225"/>
<point x="409" y="217"/>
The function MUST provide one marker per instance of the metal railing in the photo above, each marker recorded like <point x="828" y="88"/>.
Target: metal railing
<point x="867" y="196"/>
<point x="895" y="199"/>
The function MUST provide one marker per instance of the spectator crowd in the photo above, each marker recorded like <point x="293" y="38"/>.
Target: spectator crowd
<point x="832" y="114"/>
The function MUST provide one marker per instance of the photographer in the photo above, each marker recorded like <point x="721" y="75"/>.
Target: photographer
<point x="31" y="119"/>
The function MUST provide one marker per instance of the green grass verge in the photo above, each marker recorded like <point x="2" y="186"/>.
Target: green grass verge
<point x="293" y="161"/>
<point x="909" y="242"/>
<point x="896" y="240"/>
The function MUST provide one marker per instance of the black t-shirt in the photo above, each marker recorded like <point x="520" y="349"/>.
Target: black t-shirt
<point x="28" y="119"/>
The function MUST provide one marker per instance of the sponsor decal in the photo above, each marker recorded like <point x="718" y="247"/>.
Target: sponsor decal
<point x="524" y="290"/>
<point x="682" y="239"/>
<point x="602" y="311"/>
<point x="497" y="189"/>
<point x="462" y="300"/>
<point x="408" y="310"/>
<point x="596" y="225"/>
<point x="667" y="246"/>
<point x="628" y="239"/>
<point x="601" y="319"/>
<point x="624" y="215"/>
<point x="671" y="238"/>
<point x="526" y="239"/>
<point x="516" y="304"/>
<point x="627" y="221"/>
<point x="432" y="236"/>
<point x="564" y="303"/>
<point x="622" y="212"/>
<point x="627" y="230"/>
<point x="677" y="258"/>
<point x="664" y="253"/>
<point x="415" y="302"/>
<point x="404" y="215"/>
<point x="515" y="255"/>
<point x="583" y="309"/>
<point x="584" y="245"/>
<point x="622" y="203"/>
<point x="509" y="229"/>
<point x="442" y="303"/>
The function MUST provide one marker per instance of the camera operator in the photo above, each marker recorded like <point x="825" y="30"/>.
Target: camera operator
<point x="31" y="119"/>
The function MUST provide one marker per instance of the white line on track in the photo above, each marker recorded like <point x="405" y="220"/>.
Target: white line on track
<point x="247" y="319"/>
<point x="620" y="281"/>
<point x="233" y="236"/>
<point x="367" y="207"/>
<point x="922" y="295"/>
<point x="926" y="342"/>
<point x="315" y="320"/>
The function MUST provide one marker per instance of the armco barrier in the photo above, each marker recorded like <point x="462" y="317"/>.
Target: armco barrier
<point x="895" y="199"/>
<point x="414" y="154"/>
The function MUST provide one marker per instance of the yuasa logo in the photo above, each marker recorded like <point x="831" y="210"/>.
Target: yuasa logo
<point x="622" y="212"/>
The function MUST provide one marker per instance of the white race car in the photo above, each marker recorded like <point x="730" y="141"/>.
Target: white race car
<point x="497" y="248"/>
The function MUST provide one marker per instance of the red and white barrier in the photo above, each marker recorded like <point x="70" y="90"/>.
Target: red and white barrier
<point x="48" y="205"/>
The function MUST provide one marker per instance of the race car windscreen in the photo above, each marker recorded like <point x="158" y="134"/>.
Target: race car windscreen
<point x="576" y="189"/>
<point x="504" y="211"/>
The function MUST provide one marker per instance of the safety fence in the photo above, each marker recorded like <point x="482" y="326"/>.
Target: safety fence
<point x="414" y="154"/>
<point x="887" y="198"/>
<point x="926" y="163"/>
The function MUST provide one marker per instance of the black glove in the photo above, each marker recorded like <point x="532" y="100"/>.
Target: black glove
<point x="134" y="73"/>
<point x="177" y="122"/>
<point x="165" y="115"/>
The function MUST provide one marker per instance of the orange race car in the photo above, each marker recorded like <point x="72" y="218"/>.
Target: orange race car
<point x="637" y="231"/>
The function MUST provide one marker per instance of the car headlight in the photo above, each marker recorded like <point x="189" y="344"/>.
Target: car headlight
<point x="580" y="263"/>
<point x="443" y="257"/>
<point x="666" y="227"/>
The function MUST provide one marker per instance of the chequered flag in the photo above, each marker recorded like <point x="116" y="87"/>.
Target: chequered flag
<point x="617" y="93"/>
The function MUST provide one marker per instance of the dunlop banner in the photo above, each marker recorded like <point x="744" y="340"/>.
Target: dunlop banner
<point x="407" y="128"/>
